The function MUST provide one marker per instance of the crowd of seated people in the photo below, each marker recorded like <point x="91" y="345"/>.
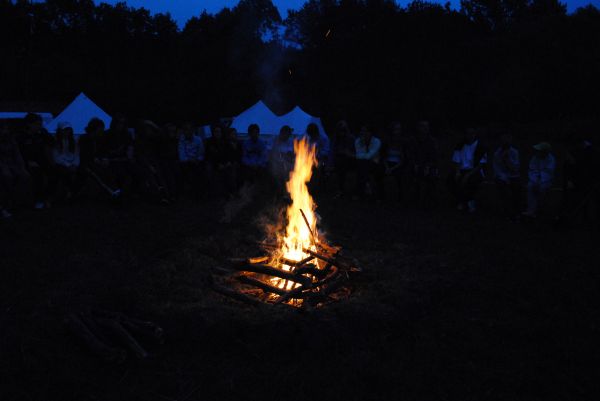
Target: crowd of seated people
<point x="173" y="161"/>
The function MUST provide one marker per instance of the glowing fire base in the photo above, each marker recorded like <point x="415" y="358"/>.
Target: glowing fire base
<point x="321" y="277"/>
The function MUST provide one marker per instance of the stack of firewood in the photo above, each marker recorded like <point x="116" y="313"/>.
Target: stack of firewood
<point x="320" y="277"/>
<point x="113" y="336"/>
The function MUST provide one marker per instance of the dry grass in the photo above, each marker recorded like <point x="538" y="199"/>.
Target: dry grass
<point x="449" y="307"/>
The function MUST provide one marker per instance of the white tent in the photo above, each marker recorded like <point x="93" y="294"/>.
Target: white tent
<point x="260" y="114"/>
<point x="79" y="113"/>
<point x="298" y="120"/>
<point x="17" y="115"/>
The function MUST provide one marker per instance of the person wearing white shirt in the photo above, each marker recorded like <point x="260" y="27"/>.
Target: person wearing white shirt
<point x="368" y="162"/>
<point x="469" y="159"/>
<point x="541" y="176"/>
<point x="507" y="176"/>
<point x="191" y="147"/>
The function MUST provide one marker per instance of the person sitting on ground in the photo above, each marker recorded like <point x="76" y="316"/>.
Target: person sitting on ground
<point x="281" y="160"/>
<point x="322" y="154"/>
<point x="117" y="140"/>
<point x="168" y="157"/>
<point x="344" y="161"/>
<point x="581" y="185"/>
<point x="147" y="160"/>
<point x="423" y="154"/>
<point x="314" y="138"/>
<point x="215" y="149"/>
<point x="217" y="159"/>
<point x="92" y="166"/>
<point x="541" y="176"/>
<point x="13" y="174"/>
<point x="368" y="163"/>
<point x="233" y="158"/>
<point x="66" y="160"/>
<point x="507" y="174"/>
<point x="191" y="160"/>
<point x="394" y="156"/>
<point x="116" y="149"/>
<point x="469" y="158"/>
<point x="254" y="155"/>
<point x="36" y="148"/>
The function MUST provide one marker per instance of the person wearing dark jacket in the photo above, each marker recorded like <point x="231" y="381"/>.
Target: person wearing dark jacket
<point x="394" y="157"/>
<point x="425" y="165"/>
<point x="116" y="148"/>
<point x="281" y="158"/>
<point x="168" y="158"/>
<point x="146" y="153"/>
<point x="218" y="159"/>
<point x="254" y="155"/>
<point x="92" y="165"/>
<point x="36" y="145"/>
<point x="344" y="155"/>
<point x="13" y="174"/>
<point x="66" y="162"/>
<point x="507" y="173"/>
<point x="233" y="161"/>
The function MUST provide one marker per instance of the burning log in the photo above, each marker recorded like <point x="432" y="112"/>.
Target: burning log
<point x="266" y="245"/>
<point x="263" y="286"/>
<point x="304" y="261"/>
<point x="334" y="260"/>
<point x="319" y="256"/>
<point x="333" y="273"/>
<point x="334" y="250"/>
<point x="258" y="260"/>
<point x="296" y="263"/>
<point x="249" y="261"/>
<point x="312" y="270"/>
<point x="275" y="272"/>
<point x="295" y="293"/>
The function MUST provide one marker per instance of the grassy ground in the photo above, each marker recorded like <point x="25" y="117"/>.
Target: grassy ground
<point x="450" y="307"/>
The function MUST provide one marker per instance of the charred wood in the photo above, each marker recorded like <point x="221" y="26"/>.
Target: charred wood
<point x="123" y="336"/>
<point x="263" y="286"/>
<point x="272" y="271"/>
<point x="93" y="343"/>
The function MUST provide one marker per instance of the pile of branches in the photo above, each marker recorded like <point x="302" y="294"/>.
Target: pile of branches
<point x="112" y="335"/>
<point x="321" y="277"/>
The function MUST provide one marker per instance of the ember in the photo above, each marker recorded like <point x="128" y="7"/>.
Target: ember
<point x="300" y="267"/>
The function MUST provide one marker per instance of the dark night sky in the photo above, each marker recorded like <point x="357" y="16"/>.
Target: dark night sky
<point x="182" y="10"/>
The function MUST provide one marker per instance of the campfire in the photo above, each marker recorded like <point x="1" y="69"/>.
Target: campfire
<point x="298" y="267"/>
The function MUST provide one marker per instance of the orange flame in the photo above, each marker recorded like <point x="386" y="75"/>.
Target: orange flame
<point x="298" y="236"/>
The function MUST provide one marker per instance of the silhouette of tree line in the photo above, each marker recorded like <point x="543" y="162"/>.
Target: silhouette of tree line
<point x="369" y="60"/>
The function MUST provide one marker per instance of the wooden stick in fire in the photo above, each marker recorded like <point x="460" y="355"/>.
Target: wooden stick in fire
<point x="275" y="272"/>
<point x="312" y="235"/>
<point x="330" y="249"/>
